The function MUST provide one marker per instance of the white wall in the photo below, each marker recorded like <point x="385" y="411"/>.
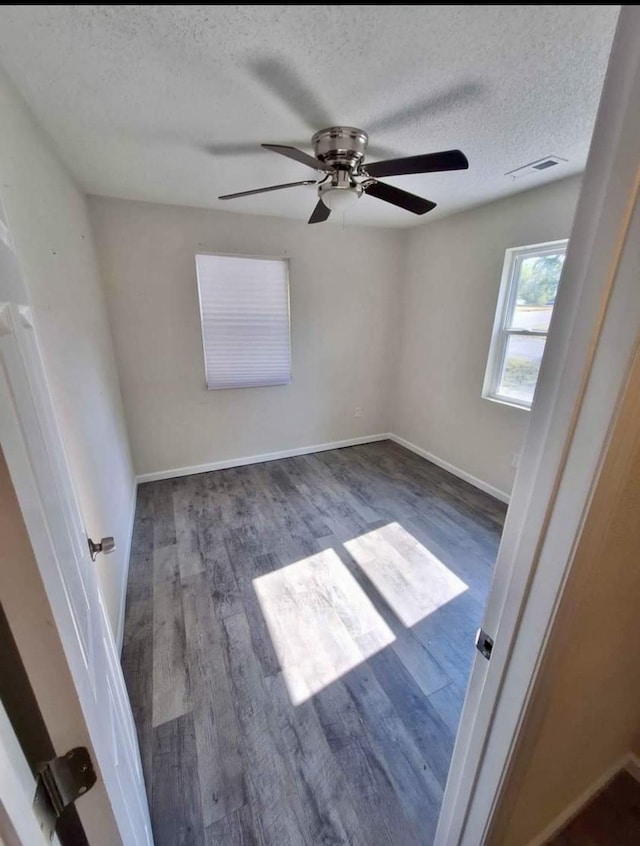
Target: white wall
<point x="451" y="286"/>
<point x="49" y="225"/>
<point x="344" y="286"/>
<point x="395" y="322"/>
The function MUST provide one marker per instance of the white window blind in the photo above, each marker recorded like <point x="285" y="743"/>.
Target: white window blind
<point x="244" y="310"/>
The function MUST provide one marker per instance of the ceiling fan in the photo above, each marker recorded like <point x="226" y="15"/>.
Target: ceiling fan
<point x="339" y="155"/>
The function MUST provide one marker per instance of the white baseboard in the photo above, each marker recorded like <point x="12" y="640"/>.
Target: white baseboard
<point x="451" y="468"/>
<point x="633" y="766"/>
<point x="306" y="450"/>
<point x="573" y="809"/>
<point x="258" y="459"/>
<point x="125" y="575"/>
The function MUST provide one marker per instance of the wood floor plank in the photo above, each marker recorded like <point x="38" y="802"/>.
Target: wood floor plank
<point x="164" y="523"/>
<point x="274" y="792"/>
<point x="338" y="515"/>
<point x="298" y="638"/>
<point x="218" y="739"/>
<point x="340" y="719"/>
<point x="474" y="570"/>
<point x="382" y="821"/>
<point x="175" y="804"/>
<point x="187" y="503"/>
<point x="249" y="568"/>
<point x="343" y="503"/>
<point x="170" y="671"/>
<point x="406" y="766"/>
<point x="431" y="734"/>
<point x="209" y="522"/>
<point x="423" y="666"/>
<point x="166" y="566"/>
<point x="240" y="828"/>
<point x="448" y="702"/>
<point x="328" y="813"/>
<point x="379" y="809"/>
<point x="140" y="579"/>
<point x="449" y="635"/>
<point x="413" y="581"/>
<point x="351" y="487"/>
<point x="288" y="498"/>
<point x="137" y="668"/>
<point x="143" y="526"/>
<point x="140" y="576"/>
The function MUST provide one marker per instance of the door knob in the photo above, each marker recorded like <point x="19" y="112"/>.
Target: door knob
<point x="105" y="545"/>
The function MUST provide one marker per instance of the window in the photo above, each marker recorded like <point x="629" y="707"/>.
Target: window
<point x="244" y="311"/>
<point x="528" y="291"/>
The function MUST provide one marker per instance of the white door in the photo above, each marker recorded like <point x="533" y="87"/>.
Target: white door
<point x="35" y="457"/>
<point x="17" y="789"/>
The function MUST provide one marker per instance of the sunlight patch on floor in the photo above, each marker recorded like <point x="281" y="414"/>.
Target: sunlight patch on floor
<point x="321" y="622"/>
<point x="411" y="579"/>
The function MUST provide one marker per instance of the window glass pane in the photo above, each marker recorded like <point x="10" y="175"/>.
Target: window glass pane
<point x="536" y="289"/>
<point x="520" y="368"/>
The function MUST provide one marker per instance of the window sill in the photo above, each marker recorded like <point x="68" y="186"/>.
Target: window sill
<point x="506" y="401"/>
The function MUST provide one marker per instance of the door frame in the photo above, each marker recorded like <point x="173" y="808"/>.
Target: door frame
<point x="594" y="337"/>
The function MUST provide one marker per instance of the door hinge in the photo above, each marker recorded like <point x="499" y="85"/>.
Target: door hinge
<point x="59" y="783"/>
<point x="484" y="643"/>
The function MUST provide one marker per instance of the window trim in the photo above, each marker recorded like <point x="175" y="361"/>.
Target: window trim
<point x="287" y="263"/>
<point x="499" y="333"/>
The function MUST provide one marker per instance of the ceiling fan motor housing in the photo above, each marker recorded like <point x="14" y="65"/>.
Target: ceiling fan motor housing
<point x="343" y="147"/>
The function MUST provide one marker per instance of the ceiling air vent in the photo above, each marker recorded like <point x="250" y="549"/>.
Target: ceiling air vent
<point x="535" y="167"/>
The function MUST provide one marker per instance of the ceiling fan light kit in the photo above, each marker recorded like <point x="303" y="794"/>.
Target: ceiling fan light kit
<point x="339" y="192"/>
<point x="340" y="157"/>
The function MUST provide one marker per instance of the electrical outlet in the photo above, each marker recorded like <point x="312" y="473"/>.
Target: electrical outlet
<point x="515" y="459"/>
<point x="357" y="412"/>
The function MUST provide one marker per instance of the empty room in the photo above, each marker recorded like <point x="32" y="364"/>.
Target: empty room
<point x="318" y="335"/>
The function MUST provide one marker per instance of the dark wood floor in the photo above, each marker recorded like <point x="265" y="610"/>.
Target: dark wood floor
<point x="298" y="639"/>
<point x="612" y="818"/>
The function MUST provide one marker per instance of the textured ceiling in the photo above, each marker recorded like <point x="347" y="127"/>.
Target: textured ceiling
<point x="170" y="103"/>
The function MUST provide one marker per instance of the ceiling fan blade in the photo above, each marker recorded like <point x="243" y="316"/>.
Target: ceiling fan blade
<point x="429" y="163"/>
<point x="287" y="85"/>
<point x="320" y="213"/>
<point x="264" y="190"/>
<point x="412" y="114"/>
<point x="298" y="156"/>
<point x="398" y="197"/>
<point x="246" y="148"/>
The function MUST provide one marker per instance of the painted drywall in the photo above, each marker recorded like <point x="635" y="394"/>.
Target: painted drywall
<point x="31" y="621"/>
<point x="344" y="290"/>
<point x="51" y="233"/>
<point x="452" y="278"/>
<point x="585" y="713"/>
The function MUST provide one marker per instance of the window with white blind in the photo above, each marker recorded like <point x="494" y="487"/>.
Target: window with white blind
<point x="244" y="312"/>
